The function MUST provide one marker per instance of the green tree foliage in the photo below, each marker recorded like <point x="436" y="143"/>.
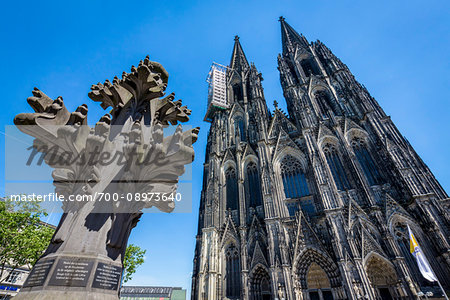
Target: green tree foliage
<point x="23" y="237"/>
<point x="134" y="257"/>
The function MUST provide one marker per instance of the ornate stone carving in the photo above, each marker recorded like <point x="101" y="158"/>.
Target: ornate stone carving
<point x="83" y="162"/>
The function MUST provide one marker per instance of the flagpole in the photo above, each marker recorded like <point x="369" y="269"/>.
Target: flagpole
<point x="442" y="289"/>
<point x="413" y="246"/>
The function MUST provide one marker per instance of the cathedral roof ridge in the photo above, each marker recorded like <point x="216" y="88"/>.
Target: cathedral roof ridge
<point x="229" y="230"/>
<point x="370" y="244"/>
<point x="350" y="124"/>
<point x="324" y="132"/>
<point x="248" y="150"/>
<point x="306" y="235"/>
<point x="392" y="207"/>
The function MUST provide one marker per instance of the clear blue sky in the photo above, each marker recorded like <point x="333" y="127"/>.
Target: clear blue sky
<point x="400" y="50"/>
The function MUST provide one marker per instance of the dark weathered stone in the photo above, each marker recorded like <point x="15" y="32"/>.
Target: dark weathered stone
<point x="313" y="204"/>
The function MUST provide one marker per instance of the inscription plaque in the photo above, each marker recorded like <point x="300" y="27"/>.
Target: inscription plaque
<point x="39" y="273"/>
<point x="107" y="276"/>
<point x="71" y="272"/>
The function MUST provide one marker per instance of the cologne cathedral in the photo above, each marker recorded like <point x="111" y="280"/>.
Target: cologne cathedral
<point x="314" y="203"/>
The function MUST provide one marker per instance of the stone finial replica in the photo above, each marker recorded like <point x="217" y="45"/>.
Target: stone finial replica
<point x="125" y="155"/>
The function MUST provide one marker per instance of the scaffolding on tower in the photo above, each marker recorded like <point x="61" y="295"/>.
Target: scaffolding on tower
<point x="217" y="90"/>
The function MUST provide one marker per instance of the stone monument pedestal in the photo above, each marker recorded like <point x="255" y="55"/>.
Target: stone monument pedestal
<point x="72" y="277"/>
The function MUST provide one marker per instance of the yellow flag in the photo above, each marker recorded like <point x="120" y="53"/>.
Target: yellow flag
<point x="422" y="263"/>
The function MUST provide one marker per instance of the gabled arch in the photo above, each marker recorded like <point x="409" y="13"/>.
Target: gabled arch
<point x="236" y="111"/>
<point x="256" y="267"/>
<point x="302" y="53"/>
<point x="256" y="230"/>
<point x="303" y="261"/>
<point x="260" y="283"/>
<point x="369" y="226"/>
<point x="399" y="217"/>
<point x="248" y="158"/>
<point x="325" y="136"/>
<point x="234" y="77"/>
<point x="353" y="130"/>
<point x="280" y="122"/>
<point x="229" y="234"/>
<point x="316" y="85"/>
<point x="380" y="270"/>
<point x="294" y="152"/>
<point x="316" y="278"/>
<point x="323" y="97"/>
<point x="229" y="239"/>
<point x="228" y="163"/>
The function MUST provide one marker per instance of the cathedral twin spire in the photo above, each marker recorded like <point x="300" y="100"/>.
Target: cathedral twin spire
<point x="290" y="38"/>
<point x="332" y="187"/>
<point x="238" y="62"/>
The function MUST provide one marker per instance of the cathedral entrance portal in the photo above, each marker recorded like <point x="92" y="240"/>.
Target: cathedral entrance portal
<point x="382" y="276"/>
<point x="260" y="285"/>
<point x="319" y="287"/>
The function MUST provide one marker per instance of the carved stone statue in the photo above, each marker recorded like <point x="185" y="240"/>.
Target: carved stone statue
<point x="113" y="167"/>
<point x="281" y="292"/>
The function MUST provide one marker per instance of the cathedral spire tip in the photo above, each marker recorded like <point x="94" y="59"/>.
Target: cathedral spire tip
<point x="290" y="38"/>
<point x="238" y="60"/>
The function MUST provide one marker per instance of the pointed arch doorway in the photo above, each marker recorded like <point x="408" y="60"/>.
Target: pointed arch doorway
<point x="318" y="284"/>
<point x="260" y="284"/>
<point x="382" y="276"/>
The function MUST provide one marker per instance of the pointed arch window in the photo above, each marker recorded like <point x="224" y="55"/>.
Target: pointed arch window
<point x="231" y="188"/>
<point x="365" y="160"/>
<point x="402" y="236"/>
<point x="294" y="179"/>
<point x="327" y="103"/>
<point x="292" y="71"/>
<point x="336" y="167"/>
<point x="249" y="90"/>
<point x="253" y="185"/>
<point x="237" y="92"/>
<point x="322" y="102"/>
<point x="309" y="67"/>
<point x="239" y="128"/>
<point x="232" y="272"/>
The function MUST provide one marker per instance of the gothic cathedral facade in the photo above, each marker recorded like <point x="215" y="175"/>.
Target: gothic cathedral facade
<point x="314" y="203"/>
